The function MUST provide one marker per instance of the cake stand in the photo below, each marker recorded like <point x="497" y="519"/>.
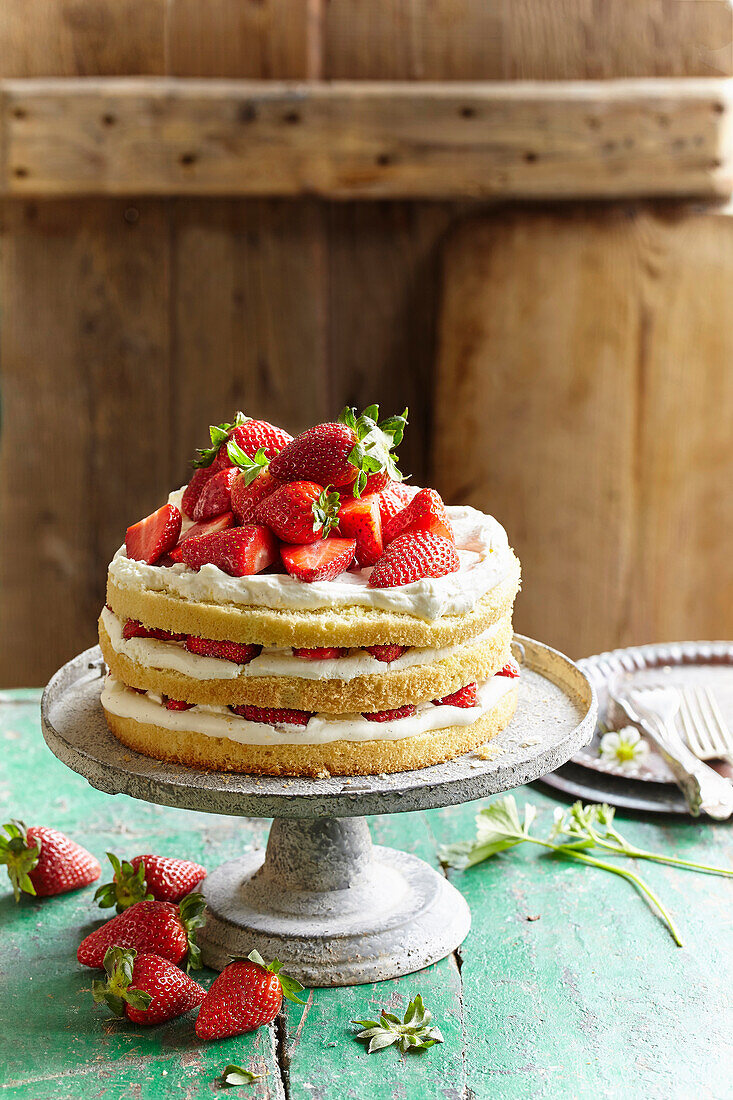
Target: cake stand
<point x="334" y="909"/>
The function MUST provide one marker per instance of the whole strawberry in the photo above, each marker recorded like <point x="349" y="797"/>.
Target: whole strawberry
<point x="148" y="878"/>
<point x="412" y="556"/>
<point x="299" y="512"/>
<point x="148" y="989"/>
<point x="246" y="437"/>
<point x="44" y="862"/>
<point x="155" y="927"/>
<point x="247" y="994"/>
<point x="348" y="451"/>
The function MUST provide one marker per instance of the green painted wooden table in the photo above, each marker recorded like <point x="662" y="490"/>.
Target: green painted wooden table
<point x="567" y="986"/>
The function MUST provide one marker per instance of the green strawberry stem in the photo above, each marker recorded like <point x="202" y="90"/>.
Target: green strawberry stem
<point x="219" y="434"/>
<point x="191" y="914"/>
<point x="127" y="887"/>
<point x="19" y="857"/>
<point x="119" y="963"/>
<point x="375" y="441"/>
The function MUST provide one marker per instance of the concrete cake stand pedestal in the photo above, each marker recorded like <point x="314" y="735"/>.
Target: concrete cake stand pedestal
<point x="335" y="909"/>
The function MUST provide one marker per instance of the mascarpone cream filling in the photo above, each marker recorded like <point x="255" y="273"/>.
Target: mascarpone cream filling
<point x="483" y="549"/>
<point x="273" y="660"/>
<point x="213" y="721"/>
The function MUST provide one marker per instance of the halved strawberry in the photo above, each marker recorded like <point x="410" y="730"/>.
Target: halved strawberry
<point x="239" y="652"/>
<point x="239" y="552"/>
<point x="273" y="716"/>
<point x="511" y="669"/>
<point x="206" y="527"/>
<point x="386" y="653"/>
<point x="360" y="519"/>
<point x="216" y="495"/>
<point x="175" y="704"/>
<point x="413" y="556"/>
<point x="247" y="493"/>
<point x="394" y="497"/>
<point x="194" y="489"/>
<point x="318" y="561"/>
<point x="152" y="537"/>
<point x="425" y="512"/>
<point x="322" y="653"/>
<point x="390" y="715"/>
<point x="464" y="697"/>
<point x="299" y="512"/>
<point x="135" y="629"/>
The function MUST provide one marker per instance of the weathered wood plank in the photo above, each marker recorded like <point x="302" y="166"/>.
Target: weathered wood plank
<point x="581" y="378"/>
<point x="372" y="140"/>
<point x="85" y="441"/>
<point x="526" y="39"/>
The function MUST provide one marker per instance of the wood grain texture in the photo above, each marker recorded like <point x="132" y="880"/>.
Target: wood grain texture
<point x="82" y="38"/>
<point x="526" y="39"/>
<point x="84" y="448"/>
<point x="581" y="373"/>
<point x="373" y="140"/>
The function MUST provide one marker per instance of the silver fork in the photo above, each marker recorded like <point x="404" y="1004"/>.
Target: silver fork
<point x="703" y="726"/>
<point x="654" y="710"/>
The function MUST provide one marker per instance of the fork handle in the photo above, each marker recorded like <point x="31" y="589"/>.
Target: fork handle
<point x="705" y="790"/>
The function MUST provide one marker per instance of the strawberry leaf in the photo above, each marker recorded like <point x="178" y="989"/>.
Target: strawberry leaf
<point x="325" y="511"/>
<point x="19" y="857"/>
<point x="290" y="986"/>
<point x="127" y="887"/>
<point x="119" y="963"/>
<point x="192" y="915"/>
<point x="372" y="452"/>
<point x="252" y="467"/>
<point x="219" y="433"/>
<point x="236" y="1075"/>
<point x="414" y="1032"/>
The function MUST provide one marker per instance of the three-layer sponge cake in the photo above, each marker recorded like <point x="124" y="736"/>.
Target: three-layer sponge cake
<point x="380" y="645"/>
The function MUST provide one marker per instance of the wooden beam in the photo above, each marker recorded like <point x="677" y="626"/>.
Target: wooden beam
<point x="367" y="140"/>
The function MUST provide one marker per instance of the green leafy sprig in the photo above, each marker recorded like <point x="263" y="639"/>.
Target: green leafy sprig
<point x="251" y="467"/>
<point x="415" y="1031"/>
<point x="499" y="827"/>
<point x="376" y="440"/>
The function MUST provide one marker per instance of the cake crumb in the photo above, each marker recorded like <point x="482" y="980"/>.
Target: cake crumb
<point x="488" y="751"/>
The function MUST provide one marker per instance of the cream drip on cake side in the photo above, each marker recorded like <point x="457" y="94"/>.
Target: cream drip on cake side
<point x="273" y="660"/>
<point x="483" y="549"/>
<point x="321" y="728"/>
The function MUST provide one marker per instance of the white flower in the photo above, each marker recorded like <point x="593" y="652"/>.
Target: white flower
<point x="625" y="749"/>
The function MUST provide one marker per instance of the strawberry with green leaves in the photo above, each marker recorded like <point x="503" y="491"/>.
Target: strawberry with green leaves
<point x="299" y="512"/>
<point x="242" y="437"/>
<point x="146" y="988"/>
<point x="44" y="862"/>
<point x="345" y="452"/>
<point x="247" y="994"/>
<point x="413" y="556"/>
<point x="150" y="927"/>
<point x="148" y="878"/>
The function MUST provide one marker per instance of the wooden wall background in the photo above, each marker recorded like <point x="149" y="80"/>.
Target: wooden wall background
<point x="587" y="348"/>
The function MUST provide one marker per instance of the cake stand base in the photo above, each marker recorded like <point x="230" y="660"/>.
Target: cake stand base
<point x="341" y="910"/>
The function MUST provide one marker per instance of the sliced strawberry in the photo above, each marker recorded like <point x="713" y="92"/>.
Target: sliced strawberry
<point x="425" y="512"/>
<point x="413" y="556"/>
<point x="206" y="527"/>
<point x="239" y="552"/>
<point x="175" y="704"/>
<point x="246" y="494"/>
<point x="273" y="716"/>
<point x="299" y="512"/>
<point x="394" y="498"/>
<point x="360" y="519"/>
<point x="390" y="715"/>
<point x="386" y="653"/>
<point x="319" y="561"/>
<point x="239" y="652"/>
<point x="135" y="629"/>
<point x="511" y="668"/>
<point x="154" y="536"/>
<point x="323" y="653"/>
<point x="464" y="697"/>
<point x="216" y="495"/>
<point x="193" y="490"/>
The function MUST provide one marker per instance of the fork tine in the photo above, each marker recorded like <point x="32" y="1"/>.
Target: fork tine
<point x="703" y="727"/>
<point x="720" y="735"/>
<point x="689" y="725"/>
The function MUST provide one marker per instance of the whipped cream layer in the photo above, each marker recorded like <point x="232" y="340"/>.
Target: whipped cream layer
<point x="213" y="721"/>
<point x="483" y="550"/>
<point x="273" y="660"/>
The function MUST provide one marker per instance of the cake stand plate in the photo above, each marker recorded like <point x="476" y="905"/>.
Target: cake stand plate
<point x="334" y="909"/>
